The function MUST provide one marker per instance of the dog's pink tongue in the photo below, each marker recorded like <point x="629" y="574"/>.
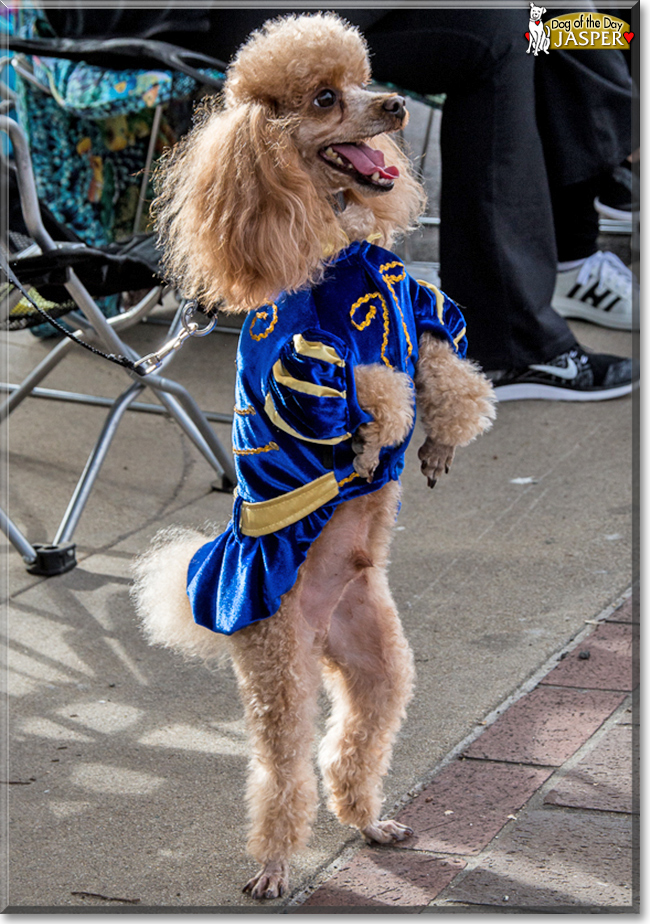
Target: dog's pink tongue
<point x="366" y="159"/>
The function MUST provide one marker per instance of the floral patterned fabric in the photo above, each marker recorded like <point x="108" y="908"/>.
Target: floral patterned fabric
<point x="89" y="139"/>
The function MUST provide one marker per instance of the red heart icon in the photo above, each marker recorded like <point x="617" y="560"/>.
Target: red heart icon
<point x="527" y="34"/>
<point x="628" y="36"/>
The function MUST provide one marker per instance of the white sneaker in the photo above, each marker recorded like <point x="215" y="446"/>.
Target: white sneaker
<point x="600" y="290"/>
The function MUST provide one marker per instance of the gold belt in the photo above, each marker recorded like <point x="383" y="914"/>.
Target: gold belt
<point x="264" y="517"/>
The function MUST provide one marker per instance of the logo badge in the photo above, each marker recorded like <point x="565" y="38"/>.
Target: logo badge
<point x="568" y="372"/>
<point x="574" y="31"/>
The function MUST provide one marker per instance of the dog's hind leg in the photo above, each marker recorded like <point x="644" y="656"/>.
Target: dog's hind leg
<point x="368" y="669"/>
<point x="279" y="676"/>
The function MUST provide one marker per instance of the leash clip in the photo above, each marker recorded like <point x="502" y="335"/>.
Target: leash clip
<point x="153" y="361"/>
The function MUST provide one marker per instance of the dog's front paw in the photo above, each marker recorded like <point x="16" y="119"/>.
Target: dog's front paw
<point x="366" y="445"/>
<point x="386" y="832"/>
<point x="436" y="458"/>
<point x="272" y="881"/>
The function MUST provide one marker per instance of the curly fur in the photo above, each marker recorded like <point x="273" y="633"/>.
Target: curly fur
<point x="388" y="395"/>
<point x="456" y="401"/>
<point x="242" y="213"/>
<point x="158" y="593"/>
<point x="245" y="210"/>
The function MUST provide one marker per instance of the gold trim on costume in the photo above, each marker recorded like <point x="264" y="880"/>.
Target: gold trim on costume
<point x="275" y="418"/>
<point x="316" y="350"/>
<point x="264" y="517"/>
<point x="440" y="299"/>
<point x="389" y="280"/>
<point x="459" y="337"/>
<point x="349" y="478"/>
<point x="282" y="377"/>
<point x="263" y="315"/>
<point x="372" y="313"/>
<point x="253" y="452"/>
<point x="244" y="411"/>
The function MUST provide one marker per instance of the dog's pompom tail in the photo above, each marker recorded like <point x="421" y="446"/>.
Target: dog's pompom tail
<point x="160" y="598"/>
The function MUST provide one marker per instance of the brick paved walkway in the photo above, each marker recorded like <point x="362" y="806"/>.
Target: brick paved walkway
<point x="538" y="813"/>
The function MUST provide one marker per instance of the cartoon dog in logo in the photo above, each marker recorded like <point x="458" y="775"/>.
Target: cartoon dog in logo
<point x="539" y="39"/>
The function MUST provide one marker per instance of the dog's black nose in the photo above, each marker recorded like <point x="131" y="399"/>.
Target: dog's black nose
<point x="396" y="105"/>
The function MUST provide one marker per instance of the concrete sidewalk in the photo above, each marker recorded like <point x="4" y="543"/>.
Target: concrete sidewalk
<point x="127" y="766"/>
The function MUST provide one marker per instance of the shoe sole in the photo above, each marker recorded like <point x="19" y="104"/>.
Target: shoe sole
<point x="569" y="308"/>
<point x="608" y="211"/>
<point x="531" y="390"/>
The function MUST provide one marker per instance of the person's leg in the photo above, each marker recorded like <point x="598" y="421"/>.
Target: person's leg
<point x="497" y="246"/>
<point x="575" y="219"/>
<point x="591" y="284"/>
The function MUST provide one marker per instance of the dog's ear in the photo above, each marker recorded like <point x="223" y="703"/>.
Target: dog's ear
<point x="238" y="216"/>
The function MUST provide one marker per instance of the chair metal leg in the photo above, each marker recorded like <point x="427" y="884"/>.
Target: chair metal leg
<point x="166" y="388"/>
<point x="37" y="375"/>
<point x="61" y="350"/>
<point x="14" y="535"/>
<point x="93" y="465"/>
<point x="46" y="560"/>
<point x="74" y="397"/>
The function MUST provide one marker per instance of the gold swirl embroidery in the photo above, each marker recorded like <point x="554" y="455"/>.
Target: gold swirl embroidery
<point x="389" y="280"/>
<point x="263" y="315"/>
<point x="370" y="315"/>
<point x="253" y="452"/>
<point x="349" y="478"/>
<point x="244" y="411"/>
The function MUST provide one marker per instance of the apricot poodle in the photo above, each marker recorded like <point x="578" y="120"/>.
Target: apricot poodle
<point x="283" y="202"/>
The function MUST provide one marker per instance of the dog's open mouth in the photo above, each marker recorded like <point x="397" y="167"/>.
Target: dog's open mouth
<point x="366" y="163"/>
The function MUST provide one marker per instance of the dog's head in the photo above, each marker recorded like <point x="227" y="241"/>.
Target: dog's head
<point x="253" y="189"/>
<point x="313" y="72"/>
<point x="536" y="12"/>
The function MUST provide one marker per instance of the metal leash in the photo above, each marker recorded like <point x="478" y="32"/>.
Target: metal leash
<point x="153" y="361"/>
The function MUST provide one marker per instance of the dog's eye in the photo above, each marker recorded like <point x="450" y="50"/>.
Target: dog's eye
<point x="325" y="99"/>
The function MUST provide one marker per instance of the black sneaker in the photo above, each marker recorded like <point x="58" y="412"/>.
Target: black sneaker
<point x="618" y="196"/>
<point x="573" y="376"/>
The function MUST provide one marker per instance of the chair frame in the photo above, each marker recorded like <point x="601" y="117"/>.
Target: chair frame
<point x="176" y="401"/>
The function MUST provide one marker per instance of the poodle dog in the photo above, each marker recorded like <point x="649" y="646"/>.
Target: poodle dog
<point x="282" y="203"/>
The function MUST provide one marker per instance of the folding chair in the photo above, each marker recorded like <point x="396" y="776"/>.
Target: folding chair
<point x="71" y="267"/>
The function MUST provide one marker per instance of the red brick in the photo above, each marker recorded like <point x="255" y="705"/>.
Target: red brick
<point x="627" y="612"/>
<point x="546" y="726"/>
<point x="602" y="779"/>
<point x="378" y="877"/>
<point x="478" y="798"/>
<point x="609" y="666"/>
<point x="552" y="860"/>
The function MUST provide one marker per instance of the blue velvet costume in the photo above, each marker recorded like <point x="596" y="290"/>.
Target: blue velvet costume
<point x="296" y="409"/>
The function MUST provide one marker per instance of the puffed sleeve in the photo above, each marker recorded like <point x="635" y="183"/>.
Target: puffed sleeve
<point x="436" y="313"/>
<point x="311" y="393"/>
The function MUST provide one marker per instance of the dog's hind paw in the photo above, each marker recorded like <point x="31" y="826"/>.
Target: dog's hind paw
<point x="386" y="832"/>
<point x="272" y="881"/>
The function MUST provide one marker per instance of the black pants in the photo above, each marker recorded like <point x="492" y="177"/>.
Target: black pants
<point x="497" y="243"/>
